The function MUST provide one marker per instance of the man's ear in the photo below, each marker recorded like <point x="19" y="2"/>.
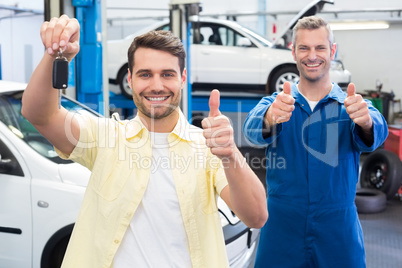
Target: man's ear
<point x="333" y="51"/>
<point x="183" y="77"/>
<point x="129" y="78"/>
<point x="293" y="52"/>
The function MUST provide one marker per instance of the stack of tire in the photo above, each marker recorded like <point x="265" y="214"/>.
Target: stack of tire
<point x="380" y="179"/>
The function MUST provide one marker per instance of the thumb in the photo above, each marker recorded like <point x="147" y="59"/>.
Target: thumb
<point x="287" y="88"/>
<point x="214" y="102"/>
<point x="351" y="90"/>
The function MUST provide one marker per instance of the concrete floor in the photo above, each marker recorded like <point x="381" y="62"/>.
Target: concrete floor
<point x="383" y="236"/>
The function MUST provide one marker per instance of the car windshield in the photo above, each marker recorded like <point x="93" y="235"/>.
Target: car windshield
<point x="264" y="42"/>
<point x="258" y="37"/>
<point x="10" y="115"/>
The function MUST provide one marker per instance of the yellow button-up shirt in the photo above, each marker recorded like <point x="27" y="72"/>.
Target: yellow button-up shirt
<point x="119" y="155"/>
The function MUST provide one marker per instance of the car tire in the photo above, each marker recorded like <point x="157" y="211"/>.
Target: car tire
<point x="370" y="201"/>
<point x="288" y="73"/>
<point x="123" y="83"/>
<point x="382" y="170"/>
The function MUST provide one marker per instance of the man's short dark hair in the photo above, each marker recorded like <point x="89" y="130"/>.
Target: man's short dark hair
<point x="160" y="40"/>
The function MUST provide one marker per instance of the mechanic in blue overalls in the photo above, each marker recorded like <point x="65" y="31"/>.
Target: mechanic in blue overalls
<point x="315" y="133"/>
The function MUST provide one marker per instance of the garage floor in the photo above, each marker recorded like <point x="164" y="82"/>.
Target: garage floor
<point x="382" y="231"/>
<point x="383" y="236"/>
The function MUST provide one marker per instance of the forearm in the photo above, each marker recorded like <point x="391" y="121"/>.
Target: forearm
<point x="254" y="125"/>
<point x="40" y="99"/>
<point x="366" y="135"/>
<point x="246" y="192"/>
<point x="268" y="124"/>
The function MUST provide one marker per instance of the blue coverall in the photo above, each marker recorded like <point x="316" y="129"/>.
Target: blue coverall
<point x="312" y="172"/>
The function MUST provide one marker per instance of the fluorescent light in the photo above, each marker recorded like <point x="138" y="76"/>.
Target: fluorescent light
<point x="366" y="25"/>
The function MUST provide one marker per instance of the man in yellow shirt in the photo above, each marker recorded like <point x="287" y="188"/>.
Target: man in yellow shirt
<point x="151" y="199"/>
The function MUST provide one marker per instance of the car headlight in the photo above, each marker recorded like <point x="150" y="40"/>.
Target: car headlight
<point x="337" y="65"/>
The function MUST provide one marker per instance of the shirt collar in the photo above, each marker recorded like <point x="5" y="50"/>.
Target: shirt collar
<point x="336" y="94"/>
<point x="183" y="129"/>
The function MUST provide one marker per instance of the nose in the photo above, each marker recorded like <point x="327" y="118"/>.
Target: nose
<point x="157" y="83"/>
<point x="312" y="55"/>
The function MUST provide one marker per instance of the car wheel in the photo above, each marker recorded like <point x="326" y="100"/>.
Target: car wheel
<point x="370" y="201"/>
<point x="382" y="170"/>
<point x="123" y="83"/>
<point x="288" y="73"/>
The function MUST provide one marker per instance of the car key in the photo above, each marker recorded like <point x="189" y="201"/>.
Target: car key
<point x="60" y="74"/>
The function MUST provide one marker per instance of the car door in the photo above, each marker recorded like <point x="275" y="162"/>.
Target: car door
<point x="218" y="59"/>
<point x="15" y="206"/>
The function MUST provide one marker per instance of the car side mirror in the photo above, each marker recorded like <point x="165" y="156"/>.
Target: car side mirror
<point x="244" y="42"/>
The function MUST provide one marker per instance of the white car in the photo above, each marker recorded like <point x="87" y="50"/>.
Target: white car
<point x="226" y="56"/>
<point x="41" y="194"/>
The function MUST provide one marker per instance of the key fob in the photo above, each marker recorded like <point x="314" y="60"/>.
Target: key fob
<point x="60" y="73"/>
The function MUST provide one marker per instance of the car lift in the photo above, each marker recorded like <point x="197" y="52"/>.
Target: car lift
<point x="86" y="74"/>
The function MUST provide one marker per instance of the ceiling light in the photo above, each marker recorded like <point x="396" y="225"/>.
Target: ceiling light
<point x="366" y="25"/>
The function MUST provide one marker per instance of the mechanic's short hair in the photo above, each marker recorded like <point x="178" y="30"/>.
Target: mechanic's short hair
<point x="160" y="40"/>
<point x="312" y="23"/>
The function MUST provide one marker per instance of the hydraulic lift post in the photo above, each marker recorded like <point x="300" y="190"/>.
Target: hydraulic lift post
<point x="182" y="12"/>
<point x="89" y="60"/>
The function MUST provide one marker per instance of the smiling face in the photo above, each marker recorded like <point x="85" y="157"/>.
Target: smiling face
<point x="313" y="53"/>
<point x="156" y="82"/>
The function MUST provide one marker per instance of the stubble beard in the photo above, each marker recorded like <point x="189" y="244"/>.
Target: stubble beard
<point x="153" y="112"/>
<point x="308" y="77"/>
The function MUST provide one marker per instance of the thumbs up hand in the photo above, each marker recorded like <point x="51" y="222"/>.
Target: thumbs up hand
<point x="281" y="109"/>
<point x="218" y="131"/>
<point x="357" y="108"/>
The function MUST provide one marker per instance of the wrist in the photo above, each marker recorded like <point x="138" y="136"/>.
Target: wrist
<point x="268" y="118"/>
<point x="234" y="159"/>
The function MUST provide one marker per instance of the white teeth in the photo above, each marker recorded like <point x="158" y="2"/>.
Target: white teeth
<point x="156" y="98"/>
<point x="313" y="65"/>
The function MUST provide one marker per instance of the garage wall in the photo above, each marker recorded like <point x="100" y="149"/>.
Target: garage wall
<point x="21" y="48"/>
<point x="373" y="55"/>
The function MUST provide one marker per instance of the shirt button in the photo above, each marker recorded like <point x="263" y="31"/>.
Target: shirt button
<point x="116" y="241"/>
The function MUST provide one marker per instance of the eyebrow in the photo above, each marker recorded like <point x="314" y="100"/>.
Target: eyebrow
<point x="140" y="71"/>
<point x="316" y="46"/>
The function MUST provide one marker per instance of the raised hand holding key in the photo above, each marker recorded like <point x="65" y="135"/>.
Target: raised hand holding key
<point x="60" y="37"/>
<point x="62" y="33"/>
